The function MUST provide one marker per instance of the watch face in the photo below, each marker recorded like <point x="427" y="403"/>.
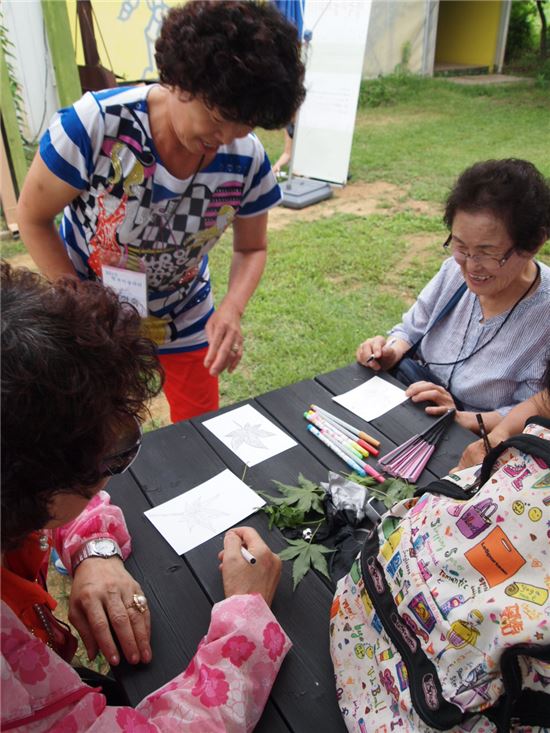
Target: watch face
<point x="103" y="547"/>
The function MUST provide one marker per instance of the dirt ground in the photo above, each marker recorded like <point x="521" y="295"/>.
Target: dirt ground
<point x="359" y="199"/>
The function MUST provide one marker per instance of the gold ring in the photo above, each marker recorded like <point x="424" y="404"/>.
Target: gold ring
<point x="139" y="602"/>
<point x="234" y="349"/>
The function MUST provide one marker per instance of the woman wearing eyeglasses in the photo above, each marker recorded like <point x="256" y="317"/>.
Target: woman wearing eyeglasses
<point x="477" y="336"/>
<point x="76" y="375"/>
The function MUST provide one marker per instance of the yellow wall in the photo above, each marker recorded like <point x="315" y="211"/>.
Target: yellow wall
<point x="129" y="29"/>
<point x="467" y="32"/>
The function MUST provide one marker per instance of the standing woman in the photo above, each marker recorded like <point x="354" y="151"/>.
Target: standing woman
<point x="148" y="179"/>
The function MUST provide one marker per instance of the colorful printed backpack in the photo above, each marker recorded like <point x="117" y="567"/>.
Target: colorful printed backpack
<point x="443" y="622"/>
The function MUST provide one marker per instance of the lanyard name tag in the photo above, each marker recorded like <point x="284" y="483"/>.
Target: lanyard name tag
<point x="128" y="285"/>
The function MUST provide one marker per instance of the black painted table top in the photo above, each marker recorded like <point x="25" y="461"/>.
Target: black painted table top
<point x="182" y="590"/>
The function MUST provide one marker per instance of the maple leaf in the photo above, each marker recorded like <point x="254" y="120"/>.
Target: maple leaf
<point x="307" y="497"/>
<point x="389" y="492"/>
<point x="283" y="517"/>
<point x="306" y="555"/>
<point x="248" y="434"/>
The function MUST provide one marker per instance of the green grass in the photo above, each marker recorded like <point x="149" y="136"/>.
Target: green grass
<point x="11" y="247"/>
<point x="425" y="131"/>
<point x="327" y="285"/>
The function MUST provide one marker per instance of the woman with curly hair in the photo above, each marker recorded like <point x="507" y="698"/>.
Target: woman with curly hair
<point x="150" y="177"/>
<point x="477" y="336"/>
<point x="76" y="374"/>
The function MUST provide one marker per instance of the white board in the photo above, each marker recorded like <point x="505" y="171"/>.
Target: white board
<point x="334" y="63"/>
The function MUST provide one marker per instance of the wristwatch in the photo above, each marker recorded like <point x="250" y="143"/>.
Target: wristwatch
<point x="100" y="547"/>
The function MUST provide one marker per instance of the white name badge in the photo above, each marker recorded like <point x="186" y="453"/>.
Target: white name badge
<point x="128" y="285"/>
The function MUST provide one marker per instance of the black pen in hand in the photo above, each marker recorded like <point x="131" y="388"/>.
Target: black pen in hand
<point x="483" y="432"/>
<point x="388" y="344"/>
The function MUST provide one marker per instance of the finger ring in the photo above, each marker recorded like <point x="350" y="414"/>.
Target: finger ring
<point x="139" y="602"/>
<point x="234" y="349"/>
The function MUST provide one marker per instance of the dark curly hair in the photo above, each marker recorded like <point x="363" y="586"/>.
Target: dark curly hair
<point x="74" y="367"/>
<point x="240" y="57"/>
<point x="514" y="191"/>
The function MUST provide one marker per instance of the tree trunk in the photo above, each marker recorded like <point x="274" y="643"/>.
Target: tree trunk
<point x="543" y="31"/>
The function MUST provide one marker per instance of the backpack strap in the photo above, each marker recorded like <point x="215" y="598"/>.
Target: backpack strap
<point x="442" y="487"/>
<point x="518" y="705"/>
<point x="537" y="447"/>
<point x="447" y="308"/>
<point x="424" y="685"/>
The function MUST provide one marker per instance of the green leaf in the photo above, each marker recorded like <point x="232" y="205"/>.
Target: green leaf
<point x="284" y="517"/>
<point x="307" y="496"/>
<point x="289" y="553"/>
<point x="390" y="491"/>
<point x="305" y="555"/>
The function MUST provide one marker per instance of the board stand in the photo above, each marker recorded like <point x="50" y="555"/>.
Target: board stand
<point x="301" y="192"/>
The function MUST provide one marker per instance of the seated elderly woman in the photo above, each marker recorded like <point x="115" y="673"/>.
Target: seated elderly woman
<point x="479" y="330"/>
<point x="76" y="374"/>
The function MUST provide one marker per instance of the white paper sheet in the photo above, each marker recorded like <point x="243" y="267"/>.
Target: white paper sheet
<point x="249" y="434"/>
<point x="372" y="399"/>
<point x="203" y="512"/>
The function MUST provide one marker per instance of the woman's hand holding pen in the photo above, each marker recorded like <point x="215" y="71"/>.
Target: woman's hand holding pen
<point x="241" y="576"/>
<point x="476" y="452"/>
<point x="380" y="354"/>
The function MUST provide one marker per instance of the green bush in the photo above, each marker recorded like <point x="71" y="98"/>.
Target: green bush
<point x="375" y="93"/>
<point x="522" y="36"/>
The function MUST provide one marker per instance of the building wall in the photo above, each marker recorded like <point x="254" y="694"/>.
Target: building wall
<point x="467" y="32"/>
<point x="394" y="27"/>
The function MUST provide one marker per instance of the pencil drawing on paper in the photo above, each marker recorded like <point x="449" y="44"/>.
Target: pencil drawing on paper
<point x="250" y="435"/>
<point x="199" y="514"/>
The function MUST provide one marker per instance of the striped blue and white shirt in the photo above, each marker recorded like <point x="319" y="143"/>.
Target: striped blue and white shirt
<point x="133" y="213"/>
<point x="509" y="369"/>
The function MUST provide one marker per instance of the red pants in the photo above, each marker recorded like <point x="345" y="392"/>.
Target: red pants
<point x="189" y="388"/>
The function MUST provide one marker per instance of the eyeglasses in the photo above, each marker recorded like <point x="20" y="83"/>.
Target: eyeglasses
<point x="491" y="264"/>
<point x="121" y="462"/>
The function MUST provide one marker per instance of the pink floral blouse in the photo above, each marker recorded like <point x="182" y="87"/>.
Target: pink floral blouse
<point x="224" y="688"/>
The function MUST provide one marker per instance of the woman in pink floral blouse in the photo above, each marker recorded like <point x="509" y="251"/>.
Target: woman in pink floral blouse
<point x="76" y="375"/>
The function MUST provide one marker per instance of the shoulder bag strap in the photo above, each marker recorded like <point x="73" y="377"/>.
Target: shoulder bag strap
<point x="447" y="308"/>
<point x="424" y="684"/>
<point x="535" y="446"/>
<point x="518" y="705"/>
<point x="443" y="487"/>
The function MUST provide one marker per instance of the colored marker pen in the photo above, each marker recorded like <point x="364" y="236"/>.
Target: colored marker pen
<point x="335" y="449"/>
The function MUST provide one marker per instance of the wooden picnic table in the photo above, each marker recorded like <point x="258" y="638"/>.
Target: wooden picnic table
<point x="182" y="590"/>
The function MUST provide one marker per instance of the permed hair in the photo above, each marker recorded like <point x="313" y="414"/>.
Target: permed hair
<point x="514" y="191"/>
<point x="240" y="57"/>
<point x="74" y="367"/>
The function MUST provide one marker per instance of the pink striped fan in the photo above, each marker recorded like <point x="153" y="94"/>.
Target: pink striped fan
<point x="408" y="460"/>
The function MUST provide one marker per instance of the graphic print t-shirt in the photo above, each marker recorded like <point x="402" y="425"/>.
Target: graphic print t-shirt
<point x="132" y="213"/>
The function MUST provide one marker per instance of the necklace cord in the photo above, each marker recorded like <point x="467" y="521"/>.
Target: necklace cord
<point x="499" y="329"/>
